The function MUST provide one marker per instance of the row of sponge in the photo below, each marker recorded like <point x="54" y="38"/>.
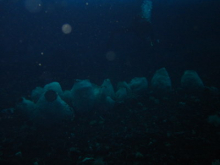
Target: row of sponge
<point x="51" y="103"/>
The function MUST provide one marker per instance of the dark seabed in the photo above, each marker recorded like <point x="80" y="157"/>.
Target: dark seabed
<point x="109" y="82"/>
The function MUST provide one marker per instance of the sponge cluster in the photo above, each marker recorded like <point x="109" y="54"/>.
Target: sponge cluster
<point x="51" y="104"/>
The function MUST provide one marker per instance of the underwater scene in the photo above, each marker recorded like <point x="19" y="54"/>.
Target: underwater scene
<point x="109" y="82"/>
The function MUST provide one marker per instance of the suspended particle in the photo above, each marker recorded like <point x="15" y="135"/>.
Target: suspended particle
<point x="33" y="6"/>
<point x="110" y="55"/>
<point x="66" y="28"/>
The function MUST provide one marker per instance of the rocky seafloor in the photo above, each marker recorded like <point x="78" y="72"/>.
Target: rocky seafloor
<point x="176" y="129"/>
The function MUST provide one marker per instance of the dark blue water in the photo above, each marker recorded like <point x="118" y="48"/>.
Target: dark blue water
<point x="111" y="39"/>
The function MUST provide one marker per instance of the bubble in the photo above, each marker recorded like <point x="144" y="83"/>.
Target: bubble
<point x="33" y="6"/>
<point x="66" y="28"/>
<point x="110" y="55"/>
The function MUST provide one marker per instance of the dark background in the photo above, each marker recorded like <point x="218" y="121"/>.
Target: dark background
<point x="187" y="31"/>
